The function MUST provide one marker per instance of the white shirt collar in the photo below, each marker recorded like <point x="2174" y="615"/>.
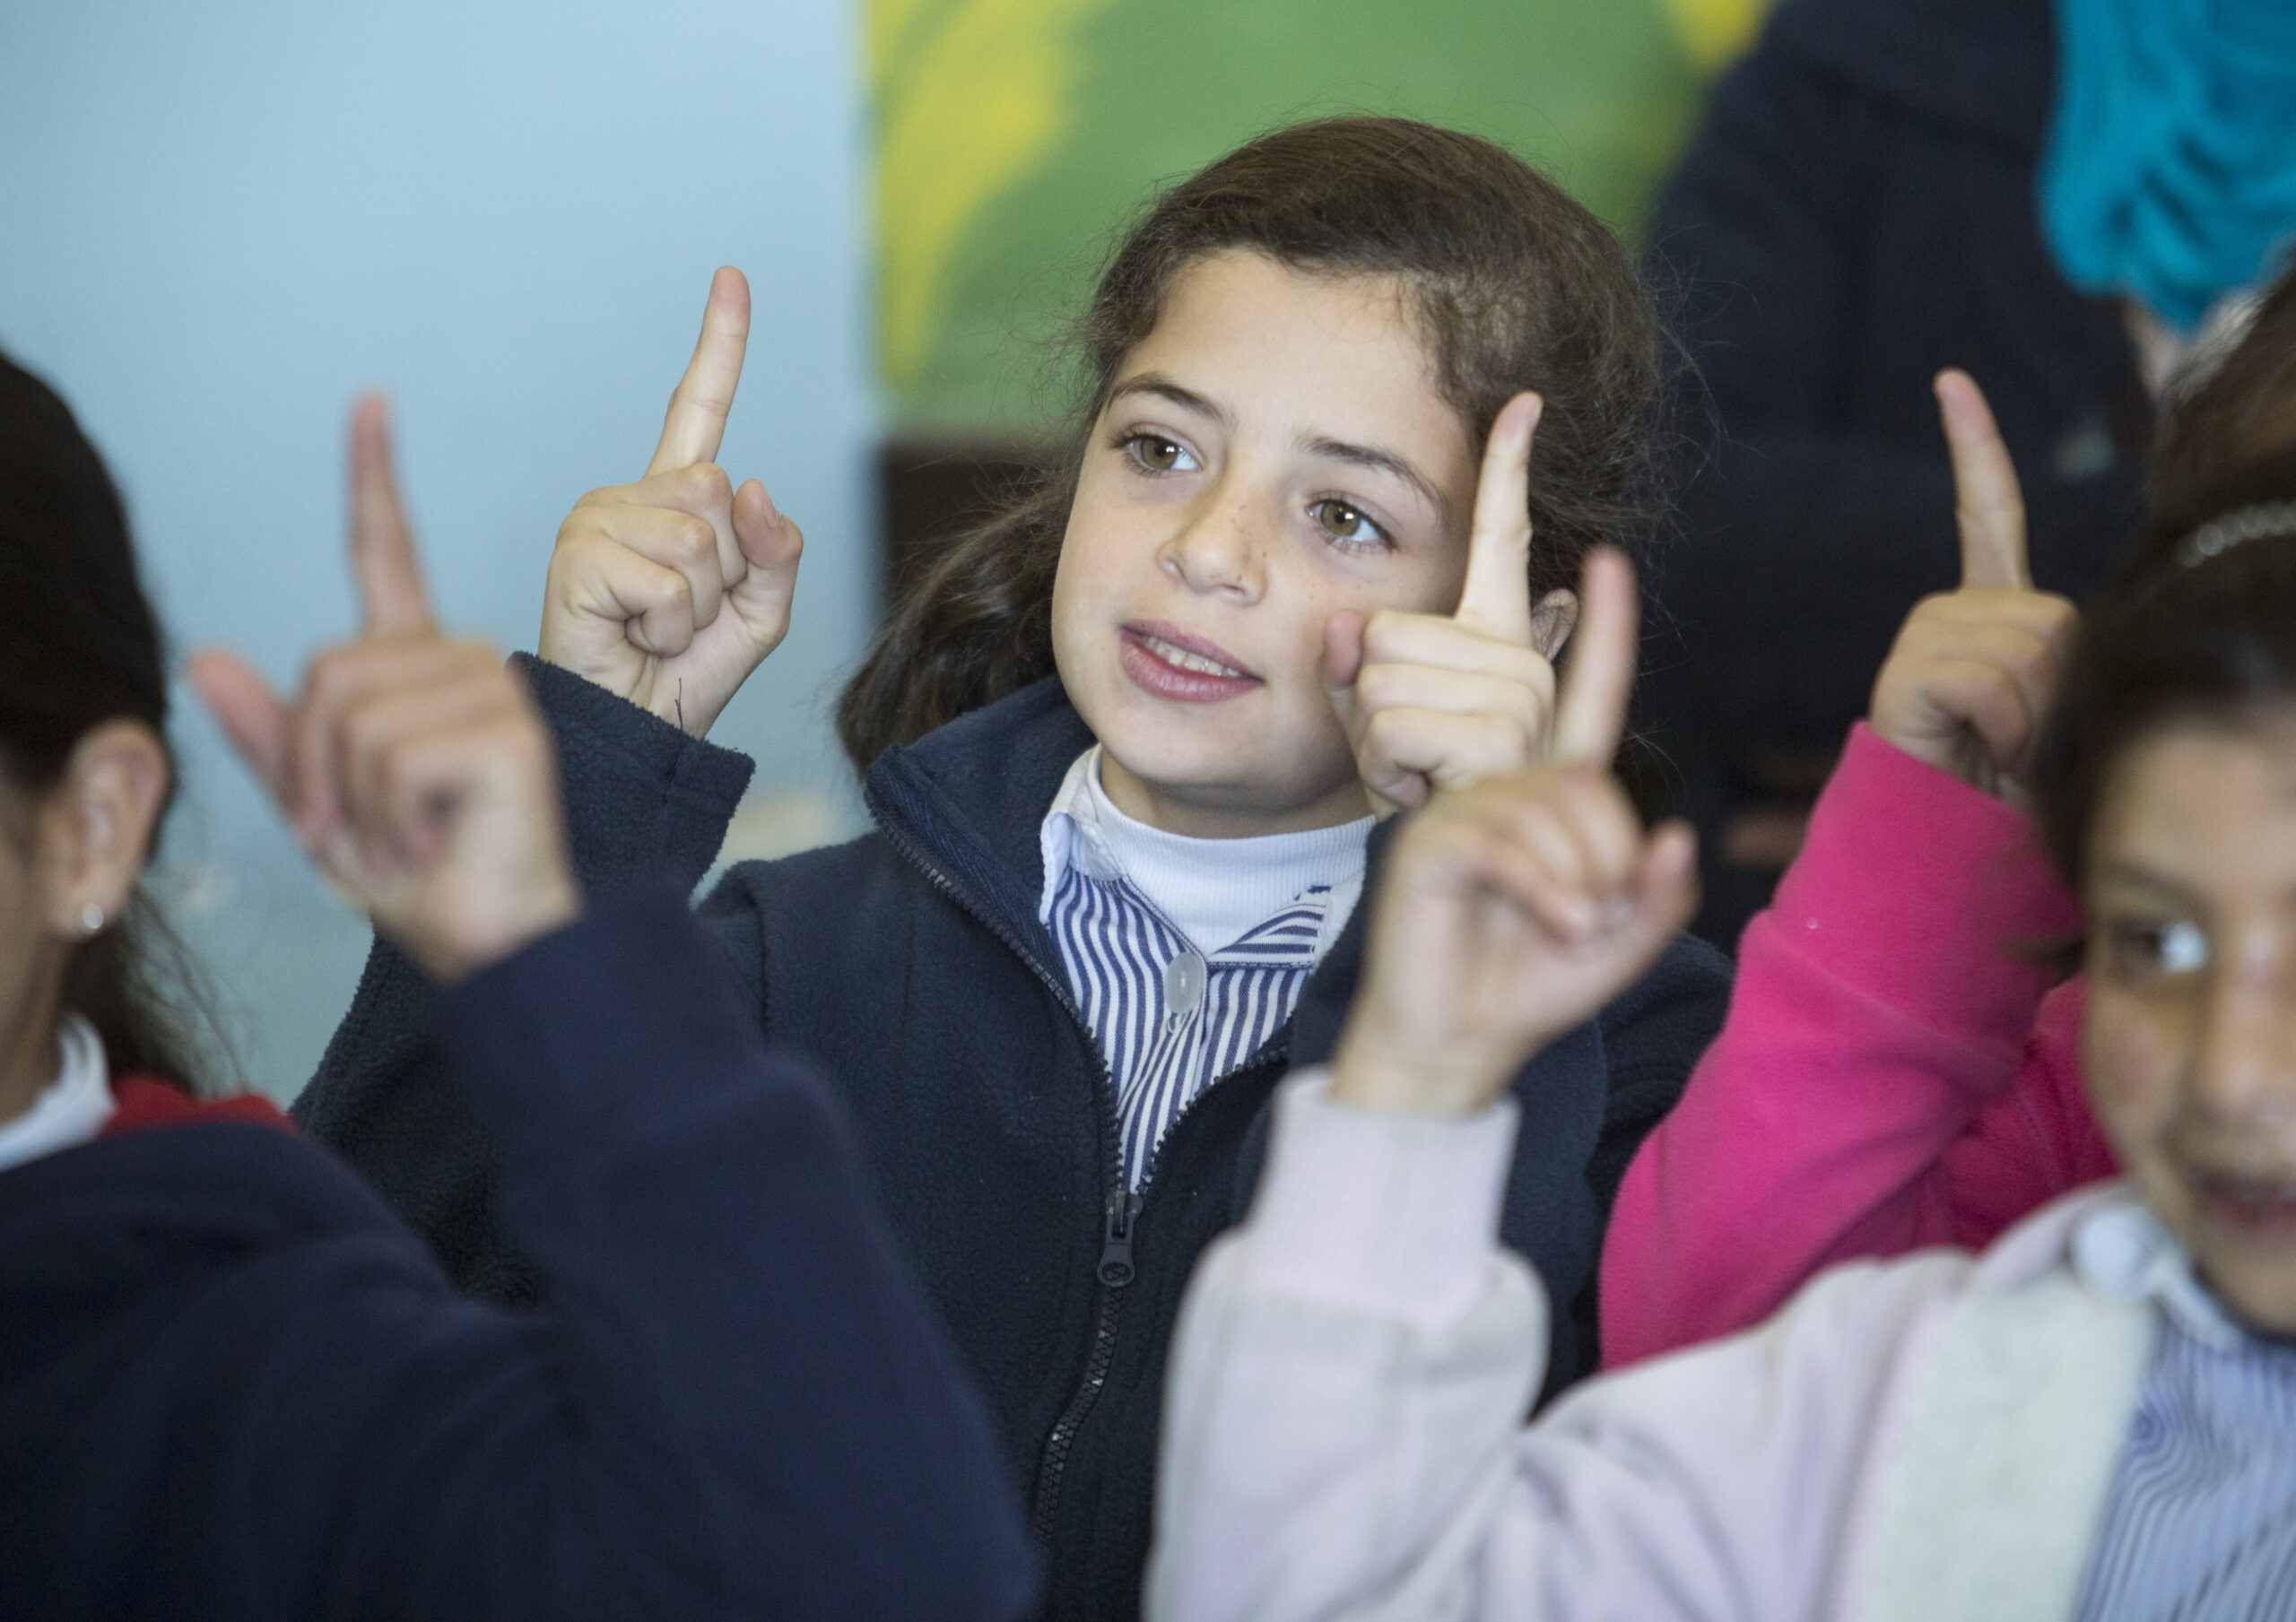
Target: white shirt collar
<point x="70" y="1110"/>
<point x="2124" y="1253"/>
<point x="1214" y="891"/>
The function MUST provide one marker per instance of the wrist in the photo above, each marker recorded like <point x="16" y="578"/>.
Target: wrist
<point x="1438" y="1080"/>
<point x="1925" y="744"/>
<point x="1384" y="1215"/>
<point x="469" y="944"/>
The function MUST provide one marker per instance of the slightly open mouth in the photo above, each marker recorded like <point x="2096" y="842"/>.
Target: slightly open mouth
<point x="2264" y="1205"/>
<point x="1180" y="658"/>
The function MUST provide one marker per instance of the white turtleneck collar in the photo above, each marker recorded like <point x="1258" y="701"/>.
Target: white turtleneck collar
<point x="1212" y="890"/>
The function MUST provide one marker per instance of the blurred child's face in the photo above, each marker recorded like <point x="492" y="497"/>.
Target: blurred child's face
<point x="1274" y="451"/>
<point x="2190" y="1037"/>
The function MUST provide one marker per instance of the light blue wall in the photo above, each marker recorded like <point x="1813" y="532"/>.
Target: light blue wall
<point x="218" y="222"/>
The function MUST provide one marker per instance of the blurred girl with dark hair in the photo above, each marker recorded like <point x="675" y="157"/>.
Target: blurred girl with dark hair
<point x="1359" y="399"/>
<point x="1902" y="1065"/>
<point x="231" y="1384"/>
<point x="2091" y="1418"/>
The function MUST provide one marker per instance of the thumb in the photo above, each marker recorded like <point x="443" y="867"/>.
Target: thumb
<point x="1591" y="705"/>
<point x="768" y="541"/>
<point x="1670" y="872"/>
<point x="1665" y="887"/>
<point x="770" y="545"/>
<point x="1988" y="506"/>
<point x="252" y="717"/>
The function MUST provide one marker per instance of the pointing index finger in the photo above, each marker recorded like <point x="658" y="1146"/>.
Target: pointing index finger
<point x="1590" y="708"/>
<point x="696" y="421"/>
<point x="1496" y="597"/>
<point x="383" y="564"/>
<point x="1988" y="507"/>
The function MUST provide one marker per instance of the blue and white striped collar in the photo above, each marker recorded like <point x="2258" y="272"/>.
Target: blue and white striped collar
<point x="1213" y="891"/>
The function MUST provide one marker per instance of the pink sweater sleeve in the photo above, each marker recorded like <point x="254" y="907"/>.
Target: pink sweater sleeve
<point x="1883" y="1003"/>
<point x="2035" y="1141"/>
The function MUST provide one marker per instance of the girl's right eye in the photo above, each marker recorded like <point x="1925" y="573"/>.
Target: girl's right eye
<point x="1157" y="455"/>
<point x="2157" y="947"/>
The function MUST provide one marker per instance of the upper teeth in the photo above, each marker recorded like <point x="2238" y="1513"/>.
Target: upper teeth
<point x="1186" y="660"/>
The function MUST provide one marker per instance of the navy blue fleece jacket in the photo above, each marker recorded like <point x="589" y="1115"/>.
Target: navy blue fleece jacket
<point x="911" y="963"/>
<point x="233" y="1385"/>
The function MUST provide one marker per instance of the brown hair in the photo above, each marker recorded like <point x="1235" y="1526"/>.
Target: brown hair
<point x="2191" y="629"/>
<point x="79" y="646"/>
<point x="1518" y="286"/>
<point x="2226" y="416"/>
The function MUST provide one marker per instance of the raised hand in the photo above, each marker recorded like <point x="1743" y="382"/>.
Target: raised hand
<point x="414" y="768"/>
<point x="1512" y="911"/>
<point x="1437" y="701"/>
<point x="670" y="591"/>
<point x="1973" y="671"/>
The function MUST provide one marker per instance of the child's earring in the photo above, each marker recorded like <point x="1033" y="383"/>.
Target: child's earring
<point x="91" y="919"/>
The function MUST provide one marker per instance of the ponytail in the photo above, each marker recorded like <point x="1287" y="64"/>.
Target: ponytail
<point x="975" y="626"/>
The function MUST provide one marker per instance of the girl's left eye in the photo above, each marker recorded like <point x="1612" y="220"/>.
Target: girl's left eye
<point x="2158" y="947"/>
<point x="1159" y="454"/>
<point x="1347" y="525"/>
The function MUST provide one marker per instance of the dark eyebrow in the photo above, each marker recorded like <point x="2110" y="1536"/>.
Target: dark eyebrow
<point x="1382" y="462"/>
<point x="1336" y="450"/>
<point x="1164" y="389"/>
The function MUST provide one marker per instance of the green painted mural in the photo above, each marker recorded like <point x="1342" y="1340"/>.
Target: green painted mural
<point x="1015" y="136"/>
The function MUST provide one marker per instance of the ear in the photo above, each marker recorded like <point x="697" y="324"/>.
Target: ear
<point x="95" y="825"/>
<point x="1552" y="621"/>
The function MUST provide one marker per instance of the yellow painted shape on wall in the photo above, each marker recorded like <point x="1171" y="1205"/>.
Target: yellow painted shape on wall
<point x="892" y="25"/>
<point x="971" y="94"/>
<point x="1714" y="33"/>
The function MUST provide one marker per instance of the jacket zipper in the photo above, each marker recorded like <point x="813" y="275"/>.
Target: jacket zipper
<point x="1116" y="1269"/>
<point x="1119" y="1209"/>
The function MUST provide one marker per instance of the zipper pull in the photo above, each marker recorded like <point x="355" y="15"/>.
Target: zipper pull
<point x="1116" y="1249"/>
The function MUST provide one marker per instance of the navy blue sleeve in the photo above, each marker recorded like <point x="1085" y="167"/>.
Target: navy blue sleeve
<point x="642" y="800"/>
<point x="736" y="1402"/>
<point x="1652" y="1037"/>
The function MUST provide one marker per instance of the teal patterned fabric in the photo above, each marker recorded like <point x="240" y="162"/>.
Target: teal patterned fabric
<point x="2170" y="170"/>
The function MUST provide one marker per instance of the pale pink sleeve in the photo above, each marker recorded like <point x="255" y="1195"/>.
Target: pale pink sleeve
<point x="1881" y="1002"/>
<point x="1343" y="1430"/>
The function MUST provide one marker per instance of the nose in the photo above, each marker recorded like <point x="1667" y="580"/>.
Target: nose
<point x="1221" y="549"/>
<point x="2244" y="1062"/>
